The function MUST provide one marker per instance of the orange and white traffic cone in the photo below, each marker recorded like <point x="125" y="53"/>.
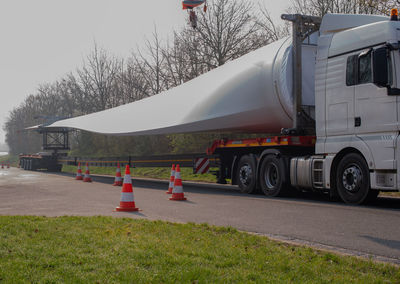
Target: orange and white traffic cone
<point x="87" y="177"/>
<point x="171" y="180"/>
<point x="177" y="192"/>
<point x="79" y="173"/>
<point x="118" y="178"/>
<point x="127" y="203"/>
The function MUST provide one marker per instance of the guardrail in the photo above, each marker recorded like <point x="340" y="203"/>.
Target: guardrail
<point x="187" y="160"/>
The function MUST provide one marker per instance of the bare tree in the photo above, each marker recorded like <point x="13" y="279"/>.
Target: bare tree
<point x="322" y="7"/>
<point x="150" y="65"/>
<point x="97" y="78"/>
<point x="225" y="30"/>
<point x="270" y="32"/>
<point x="133" y="83"/>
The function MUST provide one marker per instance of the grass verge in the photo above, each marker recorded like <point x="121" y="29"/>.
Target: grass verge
<point x="106" y="249"/>
<point x="13" y="160"/>
<point x="158" y="173"/>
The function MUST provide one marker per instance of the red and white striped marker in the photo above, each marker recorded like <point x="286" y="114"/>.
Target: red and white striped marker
<point x="127" y="203"/>
<point x="118" y="178"/>
<point x="201" y="165"/>
<point x="177" y="192"/>
<point x="79" y="173"/>
<point x="87" y="177"/>
<point x="171" y="180"/>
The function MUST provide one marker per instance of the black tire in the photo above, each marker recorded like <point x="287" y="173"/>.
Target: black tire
<point x="352" y="179"/>
<point x="272" y="176"/>
<point x="372" y="195"/>
<point x="34" y="165"/>
<point x="246" y="174"/>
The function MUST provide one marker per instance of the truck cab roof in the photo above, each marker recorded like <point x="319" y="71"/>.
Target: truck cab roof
<point x="341" y="34"/>
<point x="333" y="23"/>
<point x="363" y="37"/>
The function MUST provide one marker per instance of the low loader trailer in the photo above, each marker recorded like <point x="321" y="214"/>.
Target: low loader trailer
<point x="56" y="141"/>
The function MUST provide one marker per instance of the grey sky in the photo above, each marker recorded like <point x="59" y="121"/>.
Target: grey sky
<point x="42" y="40"/>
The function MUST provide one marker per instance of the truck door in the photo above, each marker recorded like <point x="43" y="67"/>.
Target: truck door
<point x="375" y="113"/>
<point x="339" y="99"/>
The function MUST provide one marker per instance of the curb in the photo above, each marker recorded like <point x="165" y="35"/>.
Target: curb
<point x="166" y="182"/>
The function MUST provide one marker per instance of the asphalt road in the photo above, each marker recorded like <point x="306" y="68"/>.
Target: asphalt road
<point x="310" y="219"/>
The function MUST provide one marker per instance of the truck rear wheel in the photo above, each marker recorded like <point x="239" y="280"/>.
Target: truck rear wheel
<point x="246" y="174"/>
<point x="271" y="176"/>
<point x="352" y="179"/>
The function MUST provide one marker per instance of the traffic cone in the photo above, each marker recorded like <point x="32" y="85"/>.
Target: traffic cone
<point x="8" y="166"/>
<point x="2" y="166"/>
<point x="171" y="180"/>
<point x="118" y="178"/>
<point x="79" y="173"/>
<point x="177" y="192"/>
<point x="87" y="177"/>
<point x="127" y="202"/>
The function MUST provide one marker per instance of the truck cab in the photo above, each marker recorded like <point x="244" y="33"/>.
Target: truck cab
<point x="357" y="107"/>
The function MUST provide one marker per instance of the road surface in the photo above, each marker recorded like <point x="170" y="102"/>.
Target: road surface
<point x="311" y="220"/>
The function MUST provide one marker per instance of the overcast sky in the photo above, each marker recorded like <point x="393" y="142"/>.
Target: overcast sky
<point x="42" y="40"/>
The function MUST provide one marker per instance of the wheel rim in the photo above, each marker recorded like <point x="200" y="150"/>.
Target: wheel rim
<point x="245" y="174"/>
<point x="271" y="176"/>
<point x="352" y="178"/>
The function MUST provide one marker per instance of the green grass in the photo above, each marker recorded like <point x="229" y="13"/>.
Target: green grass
<point x="13" y="160"/>
<point x="115" y="250"/>
<point x="158" y="173"/>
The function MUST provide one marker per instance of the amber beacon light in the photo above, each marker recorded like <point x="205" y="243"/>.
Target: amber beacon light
<point x="394" y="15"/>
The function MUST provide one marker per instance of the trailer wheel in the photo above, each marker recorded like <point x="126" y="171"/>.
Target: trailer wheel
<point x="246" y="174"/>
<point x="352" y="179"/>
<point x="272" y="175"/>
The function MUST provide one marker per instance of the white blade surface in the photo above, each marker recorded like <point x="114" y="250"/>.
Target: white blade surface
<point x="238" y="96"/>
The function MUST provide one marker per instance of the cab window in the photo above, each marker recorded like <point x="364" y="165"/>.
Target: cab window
<point x="364" y="69"/>
<point x="359" y="69"/>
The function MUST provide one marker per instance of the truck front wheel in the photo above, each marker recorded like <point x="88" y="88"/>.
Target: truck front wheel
<point x="352" y="179"/>
<point x="246" y="174"/>
<point x="271" y="176"/>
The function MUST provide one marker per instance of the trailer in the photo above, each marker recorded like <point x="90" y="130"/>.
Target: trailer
<point x="55" y="140"/>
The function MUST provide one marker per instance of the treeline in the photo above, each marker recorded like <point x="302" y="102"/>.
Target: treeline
<point x="229" y="29"/>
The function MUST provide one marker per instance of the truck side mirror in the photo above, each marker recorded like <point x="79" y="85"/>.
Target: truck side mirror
<point x="380" y="63"/>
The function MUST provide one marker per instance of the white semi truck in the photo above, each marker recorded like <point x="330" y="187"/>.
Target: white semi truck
<point x="329" y="95"/>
